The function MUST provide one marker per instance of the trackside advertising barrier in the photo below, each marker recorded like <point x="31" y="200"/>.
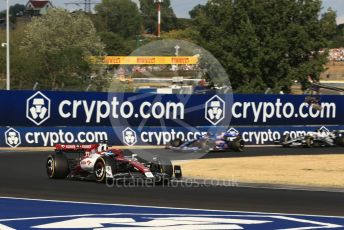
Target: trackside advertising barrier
<point x="34" y="118"/>
<point x="28" y="108"/>
<point x="129" y="136"/>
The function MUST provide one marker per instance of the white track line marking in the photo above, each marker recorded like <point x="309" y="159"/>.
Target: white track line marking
<point x="170" y="208"/>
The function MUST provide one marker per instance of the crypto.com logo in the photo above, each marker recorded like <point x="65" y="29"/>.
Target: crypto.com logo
<point x="324" y="129"/>
<point x="129" y="137"/>
<point x="12" y="138"/>
<point x="233" y="131"/>
<point x="215" y="110"/>
<point x="38" y="108"/>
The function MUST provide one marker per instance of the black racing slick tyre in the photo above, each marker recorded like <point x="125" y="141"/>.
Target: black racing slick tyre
<point x="339" y="141"/>
<point x="238" y="144"/>
<point x="176" y="142"/>
<point x="309" y="142"/>
<point x="57" y="166"/>
<point x="285" y="140"/>
<point x="100" y="168"/>
<point x="162" y="165"/>
<point x="166" y="166"/>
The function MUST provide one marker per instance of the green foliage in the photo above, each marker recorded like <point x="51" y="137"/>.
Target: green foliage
<point x="118" y="86"/>
<point x="183" y="23"/>
<point x="121" y="17"/>
<point x="328" y="23"/>
<point x="338" y="39"/>
<point x="196" y="10"/>
<point x="267" y="43"/>
<point x="118" y="23"/>
<point x="54" y="51"/>
<point x="189" y="34"/>
<point x="261" y="44"/>
<point x="149" y="13"/>
<point x="115" y="45"/>
<point x="15" y="11"/>
<point x="23" y="65"/>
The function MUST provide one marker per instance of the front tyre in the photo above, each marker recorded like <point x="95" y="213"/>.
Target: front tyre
<point x="309" y="142"/>
<point x="339" y="141"/>
<point x="163" y="165"/>
<point x="176" y="142"/>
<point x="238" y="144"/>
<point x="100" y="170"/>
<point x="57" y="166"/>
<point x="285" y="141"/>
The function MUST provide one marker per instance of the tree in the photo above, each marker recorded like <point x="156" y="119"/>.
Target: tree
<point x="188" y="34"/>
<point x="149" y="13"/>
<point x="115" y="45"/>
<point x="266" y="44"/>
<point x="196" y="10"/>
<point x="121" y="17"/>
<point x="58" y="47"/>
<point x="16" y="10"/>
<point x="338" y="39"/>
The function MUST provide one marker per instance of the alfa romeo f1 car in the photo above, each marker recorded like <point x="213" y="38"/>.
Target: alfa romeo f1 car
<point x="97" y="162"/>
<point x="319" y="138"/>
<point x="209" y="142"/>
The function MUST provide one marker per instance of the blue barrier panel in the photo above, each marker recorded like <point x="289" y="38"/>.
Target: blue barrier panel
<point x="131" y="136"/>
<point x="20" y="213"/>
<point x="30" y="108"/>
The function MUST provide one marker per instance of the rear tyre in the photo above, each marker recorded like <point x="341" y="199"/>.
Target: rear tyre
<point x="57" y="166"/>
<point x="238" y="144"/>
<point x="176" y="142"/>
<point x="285" y="139"/>
<point x="309" y="142"/>
<point x="339" y="141"/>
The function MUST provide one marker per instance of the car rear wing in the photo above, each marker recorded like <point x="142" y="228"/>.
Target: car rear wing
<point x="72" y="148"/>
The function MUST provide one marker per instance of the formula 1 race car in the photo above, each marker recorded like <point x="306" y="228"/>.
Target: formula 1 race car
<point x="209" y="142"/>
<point x="96" y="162"/>
<point x="319" y="138"/>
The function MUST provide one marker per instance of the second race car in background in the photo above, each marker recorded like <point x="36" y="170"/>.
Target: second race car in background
<point x="209" y="142"/>
<point x="319" y="138"/>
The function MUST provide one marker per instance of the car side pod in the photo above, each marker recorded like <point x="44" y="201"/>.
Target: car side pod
<point x="177" y="171"/>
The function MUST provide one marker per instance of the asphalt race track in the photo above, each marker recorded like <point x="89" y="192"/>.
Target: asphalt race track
<point x="248" y="152"/>
<point x="23" y="175"/>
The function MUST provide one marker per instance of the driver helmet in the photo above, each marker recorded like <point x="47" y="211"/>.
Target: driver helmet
<point x="103" y="147"/>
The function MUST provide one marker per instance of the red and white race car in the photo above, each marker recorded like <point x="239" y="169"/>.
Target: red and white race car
<point x="97" y="162"/>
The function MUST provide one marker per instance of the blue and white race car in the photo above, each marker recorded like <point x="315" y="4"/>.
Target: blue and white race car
<point x="209" y="142"/>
